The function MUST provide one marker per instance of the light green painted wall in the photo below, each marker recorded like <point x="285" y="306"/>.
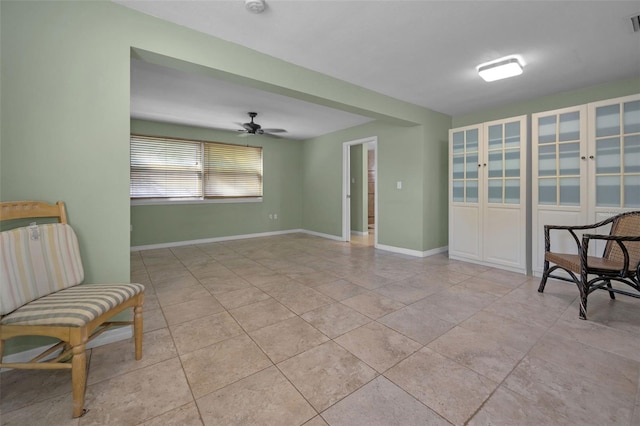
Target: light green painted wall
<point x="436" y="183"/>
<point x="282" y="190"/>
<point x="561" y="100"/>
<point x="65" y="75"/>
<point x="358" y="173"/>
<point x="401" y="157"/>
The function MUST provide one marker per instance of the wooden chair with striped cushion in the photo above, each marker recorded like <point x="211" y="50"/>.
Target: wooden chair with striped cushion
<point x="41" y="294"/>
<point x="620" y="262"/>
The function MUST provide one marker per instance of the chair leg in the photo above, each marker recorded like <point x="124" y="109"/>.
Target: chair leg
<point x="584" y="293"/>
<point x="137" y="330"/>
<point x="545" y="275"/>
<point x="612" y="295"/>
<point x="79" y="379"/>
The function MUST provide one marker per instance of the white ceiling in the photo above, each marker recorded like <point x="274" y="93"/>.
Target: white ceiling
<point x="422" y="51"/>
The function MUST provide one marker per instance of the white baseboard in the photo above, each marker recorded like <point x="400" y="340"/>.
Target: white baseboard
<point x="110" y="336"/>
<point x="515" y="269"/>
<point x="360" y="232"/>
<point x="213" y="240"/>
<point x="320" y="234"/>
<point x="409" y="252"/>
<point x="415" y="253"/>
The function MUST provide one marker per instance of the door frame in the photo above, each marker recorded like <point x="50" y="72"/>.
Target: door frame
<point x="346" y="186"/>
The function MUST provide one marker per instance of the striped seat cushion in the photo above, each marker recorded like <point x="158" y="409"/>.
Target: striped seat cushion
<point x="74" y="306"/>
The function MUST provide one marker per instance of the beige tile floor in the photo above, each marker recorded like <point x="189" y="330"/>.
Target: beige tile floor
<point x="294" y="330"/>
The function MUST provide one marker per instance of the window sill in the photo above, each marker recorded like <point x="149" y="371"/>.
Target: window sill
<point x="170" y="201"/>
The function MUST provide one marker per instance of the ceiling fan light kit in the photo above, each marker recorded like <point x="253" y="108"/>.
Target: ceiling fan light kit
<point x="255" y="6"/>
<point x="252" y="128"/>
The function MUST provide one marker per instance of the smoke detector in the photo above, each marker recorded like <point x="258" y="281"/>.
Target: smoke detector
<point x="255" y="6"/>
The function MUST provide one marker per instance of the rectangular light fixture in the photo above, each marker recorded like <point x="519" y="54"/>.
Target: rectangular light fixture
<point x="502" y="68"/>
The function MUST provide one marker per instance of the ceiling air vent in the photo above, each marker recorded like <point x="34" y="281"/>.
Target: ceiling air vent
<point x="635" y="22"/>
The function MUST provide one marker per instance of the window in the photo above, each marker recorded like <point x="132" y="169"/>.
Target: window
<point x="177" y="169"/>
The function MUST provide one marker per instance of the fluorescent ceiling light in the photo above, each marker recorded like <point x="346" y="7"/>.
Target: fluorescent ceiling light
<point x="501" y="68"/>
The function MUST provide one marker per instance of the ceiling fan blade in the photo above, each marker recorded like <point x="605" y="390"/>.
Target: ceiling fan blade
<point x="274" y="130"/>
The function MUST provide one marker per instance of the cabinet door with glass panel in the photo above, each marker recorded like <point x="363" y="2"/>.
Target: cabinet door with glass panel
<point x="504" y="174"/>
<point x="559" y="188"/>
<point x="614" y="156"/>
<point x="464" y="192"/>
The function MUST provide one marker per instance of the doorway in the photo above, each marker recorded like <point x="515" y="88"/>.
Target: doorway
<point x="360" y="201"/>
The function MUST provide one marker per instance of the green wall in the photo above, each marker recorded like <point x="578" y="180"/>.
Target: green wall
<point x="65" y="76"/>
<point x="561" y="100"/>
<point x="282" y="194"/>
<point x="401" y="157"/>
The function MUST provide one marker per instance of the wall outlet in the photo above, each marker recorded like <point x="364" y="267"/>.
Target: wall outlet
<point x="275" y="215"/>
<point x="271" y="216"/>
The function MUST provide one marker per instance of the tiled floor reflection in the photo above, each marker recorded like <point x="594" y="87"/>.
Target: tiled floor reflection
<point x="295" y="329"/>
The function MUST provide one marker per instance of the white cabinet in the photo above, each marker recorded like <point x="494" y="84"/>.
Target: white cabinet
<point x="585" y="168"/>
<point x="487" y="193"/>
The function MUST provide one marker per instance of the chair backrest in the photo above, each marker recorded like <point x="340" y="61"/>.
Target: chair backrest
<point x="627" y="225"/>
<point x="37" y="260"/>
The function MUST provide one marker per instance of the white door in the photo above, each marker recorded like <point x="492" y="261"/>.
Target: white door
<point x="465" y="193"/>
<point x="614" y="159"/>
<point x="504" y="198"/>
<point x="559" y="185"/>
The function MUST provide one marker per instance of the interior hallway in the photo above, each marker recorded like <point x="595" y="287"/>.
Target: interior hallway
<point x="295" y="329"/>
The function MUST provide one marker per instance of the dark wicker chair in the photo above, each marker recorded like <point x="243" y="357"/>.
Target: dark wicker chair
<point x="619" y="263"/>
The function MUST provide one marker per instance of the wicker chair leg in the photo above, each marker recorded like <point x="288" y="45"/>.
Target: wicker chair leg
<point x="612" y="295"/>
<point x="545" y="276"/>
<point x="584" y="293"/>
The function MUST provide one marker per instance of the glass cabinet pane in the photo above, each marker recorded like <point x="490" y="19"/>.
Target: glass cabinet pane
<point x="631" y="117"/>
<point x="495" y="164"/>
<point x="632" y="191"/>
<point x="472" y="140"/>
<point x="608" y="191"/>
<point x="569" y="126"/>
<point x="512" y="191"/>
<point x="608" y="156"/>
<point x="547" y="129"/>
<point x="458" y="142"/>
<point x="494" y="194"/>
<point x="512" y="163"/>
<point x="569" y="158"/>
<point x="547" y="191"/>
<point x="512" y="134"/>
<point x="632" y="154"/>
<point x="608" y="120"/>
<point x="472" y="191"/>
<point x="458" y="191"/>
<point x="458" y="167"/>
<point x="547" y="160"/>
<point x="472" y="166"/>
<point x="495" y="136"/>
<point x="569" y="191"/>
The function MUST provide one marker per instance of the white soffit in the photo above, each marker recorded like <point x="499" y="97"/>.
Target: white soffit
<point x="173" y="96"/>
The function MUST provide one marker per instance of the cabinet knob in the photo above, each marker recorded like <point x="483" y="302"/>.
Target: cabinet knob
<point x="479" y="165"/>
<point x="485" y="164"/>
<point x="591" y="157"/>
<point x="583" y="158"/>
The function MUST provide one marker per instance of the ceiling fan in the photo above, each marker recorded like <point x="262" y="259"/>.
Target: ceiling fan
<point x="252" y="128"/>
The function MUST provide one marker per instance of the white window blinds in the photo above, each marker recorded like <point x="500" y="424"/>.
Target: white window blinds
<point x="232" y="171"/>
<point x="176" y="168"/>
